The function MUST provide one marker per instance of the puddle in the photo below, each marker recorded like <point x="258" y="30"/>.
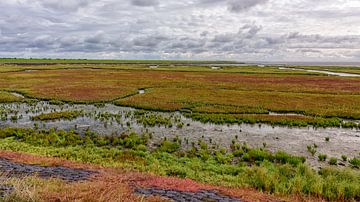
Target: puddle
<point x="287" y="114"/>
<point x="215" y="68"/>
<point x="322" y="71"/>
<point x="18" y="95"/>
<point x="112" y="119"/>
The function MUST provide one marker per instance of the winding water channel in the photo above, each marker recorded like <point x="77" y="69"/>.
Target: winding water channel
<point x="322" y="71"/>
<point x="291" y="140"/>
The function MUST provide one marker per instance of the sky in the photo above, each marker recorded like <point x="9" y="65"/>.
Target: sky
<point x="242" y="30"/>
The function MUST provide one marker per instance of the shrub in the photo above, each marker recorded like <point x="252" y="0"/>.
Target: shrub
<point x="344" y="158"/>
<point x="259" y="155"/>
<point x="141" y="148"/>
<point x="322" y="157"/>
<point x="238" y="153"/>
<point x="223" y="158"/>
<point x="312" y="149"/>
<point x="355" y="162"/>
<point x="333" y="161"/>
<point x="14" y="118"/>
<point x="169" y="147"/>
<point x="176" y="171"/>
<point x="283" y="158"/>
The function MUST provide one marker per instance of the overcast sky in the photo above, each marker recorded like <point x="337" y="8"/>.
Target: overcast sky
<point x="244" y="30"/>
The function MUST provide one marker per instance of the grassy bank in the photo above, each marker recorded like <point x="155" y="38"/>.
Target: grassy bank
<point x="237" y="166"/>
<point x="279" y="120"/>
<point x="6" y="97"/>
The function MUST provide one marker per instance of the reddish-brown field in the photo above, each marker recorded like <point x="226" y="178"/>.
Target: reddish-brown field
<point x="199" y="91"/>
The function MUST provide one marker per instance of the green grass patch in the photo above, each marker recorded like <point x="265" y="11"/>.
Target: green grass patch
<point x="282" y="120"/>
<point x="67" y="115"/>
<point x="6" y="97"/>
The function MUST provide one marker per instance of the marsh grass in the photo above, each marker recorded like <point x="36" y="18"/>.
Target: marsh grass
<point x="322" y="157"/>
<point x="282" y="120"/>
<point x="23" y="189"/>
<point x="6" y="97"/>
<point x="67" y="115"/>
<point x="278" y="173"/>
<point x="172" y="89"/>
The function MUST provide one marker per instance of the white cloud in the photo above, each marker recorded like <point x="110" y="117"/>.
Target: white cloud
<point x="199" y="29"/>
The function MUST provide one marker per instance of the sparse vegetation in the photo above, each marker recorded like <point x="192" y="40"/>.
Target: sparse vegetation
<point x="312" y="149"/>
<point x="152" y="119"/>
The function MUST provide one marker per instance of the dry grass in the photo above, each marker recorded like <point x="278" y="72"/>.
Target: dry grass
<point x="111" y="184"/>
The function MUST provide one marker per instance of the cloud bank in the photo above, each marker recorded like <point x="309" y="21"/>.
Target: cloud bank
<point x="244" y="30"/>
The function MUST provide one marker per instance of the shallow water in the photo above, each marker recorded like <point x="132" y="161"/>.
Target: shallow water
<point x="322" y="71"/>
<point x="17" y="95"/>
<point x="121" y="119"/>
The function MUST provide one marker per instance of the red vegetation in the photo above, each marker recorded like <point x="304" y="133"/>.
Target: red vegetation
<point x="113" y="184"/>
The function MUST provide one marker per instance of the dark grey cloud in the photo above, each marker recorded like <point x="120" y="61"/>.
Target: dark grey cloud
<point x="64" y="5"/>
<point x="241" y="5"/>
<point x="145" y="3"/>
<point x="188" y="29"/>
<point x="235" y="5"/>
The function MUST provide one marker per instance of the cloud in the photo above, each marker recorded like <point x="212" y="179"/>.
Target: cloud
<point x="189" y="29"/>
<point x="145" y="3"/>
<point x="241" y="5"/>
<point x="235" y="5"/>
<point x="64" y="5"/>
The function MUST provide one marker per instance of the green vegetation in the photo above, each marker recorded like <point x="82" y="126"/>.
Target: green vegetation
<point x="283" y="120"/>
<point x="6" y="97"/>
<point x="322" y="157"/>
<point x="312" y="149"/>
<point x="151" y="119"/>
<point x="333" y="161"/>
<point x="232" y="94"/>
<point x="67" y="115"/>
<point x="278" y="173"/>
<point x="344" y="158"/>
<point x="355" y="162"/>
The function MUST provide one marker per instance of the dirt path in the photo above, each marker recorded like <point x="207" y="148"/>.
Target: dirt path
<point x="85" y="182"/>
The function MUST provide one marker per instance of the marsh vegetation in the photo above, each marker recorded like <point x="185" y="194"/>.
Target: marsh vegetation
<point x="277" y="131"/>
